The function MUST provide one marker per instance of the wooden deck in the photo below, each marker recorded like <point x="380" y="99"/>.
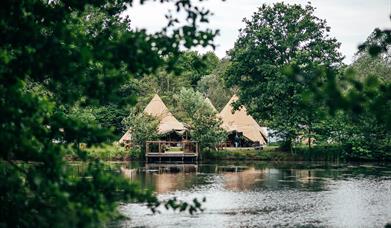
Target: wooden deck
<point x="170" y="151"/>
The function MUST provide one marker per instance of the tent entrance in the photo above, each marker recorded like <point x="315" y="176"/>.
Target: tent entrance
<point x="172" y="136"/>
<point x="237" y="139"/>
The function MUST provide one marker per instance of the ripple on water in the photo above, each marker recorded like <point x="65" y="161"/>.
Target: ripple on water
<point x="260" y="198"/>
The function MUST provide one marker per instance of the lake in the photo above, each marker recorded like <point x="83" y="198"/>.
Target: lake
<point x="265" y="194"/>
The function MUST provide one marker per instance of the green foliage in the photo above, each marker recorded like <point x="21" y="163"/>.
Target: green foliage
<point x="41" y="199"/>
<point x="143" y="128"/>
<point x="194" y="66"/>
<point x="331" y="153"/>
<point x="378" y="43"/>
<point x="366" y="66"/>
<point x="189" y="69"/>
<point x="56" y="59"/>
<point x="214" y="88"/>
<point x="110" y="152"/>
<point x="163" y="83"/>
<point x="268" y="154"/>
<point x="202" y="120"/>
<point x="276" y="37"/>
<point x="359" y="100"/>
<point x="110" y="116"/>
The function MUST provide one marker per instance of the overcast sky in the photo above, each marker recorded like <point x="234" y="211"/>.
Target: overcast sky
<point x="351" y="21"/>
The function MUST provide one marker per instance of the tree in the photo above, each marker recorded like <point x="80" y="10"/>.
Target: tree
<point x="359" y="101"/>
<point x="364" y="88"/>
<point x="143" y="128"/>
<point x="277" y="37"/>
<point x="188" y="70"/>
<point x="366" y="66"/>
<point x="201" y="118"/>
<point x="214" y="88"/>
<point x="110" y="117"/>
<point x="79" y="52"/>
<point x="193" y="65"/>
<point x="367" y="79"/>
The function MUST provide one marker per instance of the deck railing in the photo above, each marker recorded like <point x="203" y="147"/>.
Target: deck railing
<point x="161" y="147"/>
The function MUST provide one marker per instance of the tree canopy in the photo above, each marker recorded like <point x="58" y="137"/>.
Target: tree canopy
<point x="205" y="126"/>
<point x="58" y="55"/>
<point x="276" y="37"/>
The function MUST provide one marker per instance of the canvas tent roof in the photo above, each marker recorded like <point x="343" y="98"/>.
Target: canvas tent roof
<point x="168" y="122"/>
<point x="159" y="110"/>
<point x="126" y="137"/>
<point x="210" y="103"/>
<point x="240" y="121"/>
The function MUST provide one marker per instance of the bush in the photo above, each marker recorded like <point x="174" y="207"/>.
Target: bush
<point x="136" y="154"/>
<point x="321" y="153"/>
<point x="363" y="152"/>
<point x="109" y="152"/>
<point x="247" y="154"/>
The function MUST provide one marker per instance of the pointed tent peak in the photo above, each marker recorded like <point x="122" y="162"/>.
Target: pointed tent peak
<point x="234" y="97"/>
<point x="168" y="122"/>
<point x="241" y="121"/>
<point x="228" y="107"/>
<point x="209" y="102"/>
<point x="156" y="97"/>
<point x="157" y="108"/>
<point x="127" y="137"/>
<point x="231" y="100"/>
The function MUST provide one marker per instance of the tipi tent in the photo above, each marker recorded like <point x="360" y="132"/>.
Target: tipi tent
<point x="210" y="104"/>
<point x="168" y="123"/>
<point x="241" y="122"/>
<point x="126" y="138"/>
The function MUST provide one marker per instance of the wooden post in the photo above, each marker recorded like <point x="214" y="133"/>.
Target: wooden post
<point x="146" y="151"/>
<point x="197" y="152"/>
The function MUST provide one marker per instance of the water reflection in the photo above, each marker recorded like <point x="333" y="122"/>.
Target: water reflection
<point x="165" y="178"/>
<point x="265" y="194"/>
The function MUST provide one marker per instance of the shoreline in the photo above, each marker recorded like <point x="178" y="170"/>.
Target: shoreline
<point x="270" y="153"/>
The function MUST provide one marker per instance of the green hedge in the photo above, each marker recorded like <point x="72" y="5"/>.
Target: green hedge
<point x="320" y="153"/>
<point x="109" y="152"/>
<point x="333" y="153"/>
<point x="250" y="154"/>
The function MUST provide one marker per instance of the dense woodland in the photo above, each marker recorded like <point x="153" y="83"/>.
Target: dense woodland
<point x="76" y="72"/>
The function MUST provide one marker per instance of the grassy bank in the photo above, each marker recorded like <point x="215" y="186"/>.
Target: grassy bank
<point x="273" y="153"/>
<point x="332" y="153"/>
<point x="111" y="152"/>
<point x="267" y="154"/>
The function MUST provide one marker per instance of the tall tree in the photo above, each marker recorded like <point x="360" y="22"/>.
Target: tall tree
<point x="359" y="100"/>
<point x="79" y="52"/>
<point x="214" y="88"/>
<point x="142" y="128"/>
<point x="205" y="126"/>
<point x="276" y="37"/>
<point x="194" y="65"/>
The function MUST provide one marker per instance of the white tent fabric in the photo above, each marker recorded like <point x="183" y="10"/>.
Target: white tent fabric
<point x="168" y="122"/>
<point x="240" y="121"/>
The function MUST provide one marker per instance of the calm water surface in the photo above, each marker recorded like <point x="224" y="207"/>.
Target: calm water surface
<point x="266" y="195"/>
